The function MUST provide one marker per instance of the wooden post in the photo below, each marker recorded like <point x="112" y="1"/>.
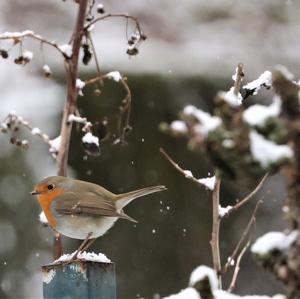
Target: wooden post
<point x="78" y="280"/>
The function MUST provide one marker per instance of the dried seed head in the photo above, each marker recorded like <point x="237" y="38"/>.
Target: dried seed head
<point x="100" y="8"/>
<point x="97" y="92"/>
<point x="19" y="60"/>
<point x="3" y="53"/>
<point x="132" y="51"/>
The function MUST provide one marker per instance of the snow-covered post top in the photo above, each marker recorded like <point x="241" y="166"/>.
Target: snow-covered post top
<point x="91" y="276"/>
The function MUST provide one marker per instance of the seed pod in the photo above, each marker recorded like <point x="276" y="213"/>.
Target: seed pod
<point x="87" y="54"/>
<point x="19" y="60"/>
<point x="4" y="54"/>
<point x="100" y="9"/>
<point x="132" y="51"/>
<point x="97" y="92"/>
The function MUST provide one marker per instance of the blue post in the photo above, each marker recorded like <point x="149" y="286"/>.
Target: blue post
<point x="79" y="280"/>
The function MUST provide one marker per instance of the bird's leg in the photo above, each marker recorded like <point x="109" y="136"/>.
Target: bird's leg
<point x="88" y="244"/>
<point x="82" y="245"/>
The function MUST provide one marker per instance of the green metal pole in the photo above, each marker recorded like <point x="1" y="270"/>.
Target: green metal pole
<point x="79" y="280"/>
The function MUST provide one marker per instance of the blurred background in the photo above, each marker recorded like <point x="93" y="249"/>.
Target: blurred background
<point x="191" y="52"/>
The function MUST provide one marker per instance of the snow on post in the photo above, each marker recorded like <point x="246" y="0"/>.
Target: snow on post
<point x="90" y="276"/>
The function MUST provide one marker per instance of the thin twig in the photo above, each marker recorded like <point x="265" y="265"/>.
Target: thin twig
<point x="127" y="17"/>
<point x="125" y="108"/>
<point x="215" y="235"/>
<point x="249" y="196"/>
<point x="244" y="235"/>
<point x="28" y="33"/>
<point x="237" y="268"/>
<point x="178" y="168"/>
<point x="95" y="55"/>
<point x="238" y="80"/>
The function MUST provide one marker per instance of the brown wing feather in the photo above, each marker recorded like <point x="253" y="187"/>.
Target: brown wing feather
<point x="87" y="204"/>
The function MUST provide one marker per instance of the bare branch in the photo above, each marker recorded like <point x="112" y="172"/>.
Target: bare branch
<point x="237" y="268"/>
<point x="244" y="235"/>
<point x="71" y="75"/>
<point x="70" y="106"/>
<point x="215" y="236"/>
<point x="127" y="17"/>
<point x="249" y="196"/>
<point x="185" y="173"/>
<point x="239" y="75"/>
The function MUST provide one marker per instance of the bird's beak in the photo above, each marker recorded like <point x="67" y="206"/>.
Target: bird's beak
<point x="34" y="192"/>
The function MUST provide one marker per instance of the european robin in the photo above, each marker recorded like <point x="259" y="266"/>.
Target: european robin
<point x="83" y="210"/>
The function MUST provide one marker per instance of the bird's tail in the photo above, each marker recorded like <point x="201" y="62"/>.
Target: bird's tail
<point x="125" y="198"/>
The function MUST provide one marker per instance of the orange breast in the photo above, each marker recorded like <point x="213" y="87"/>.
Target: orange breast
<point x="45" y="201"/>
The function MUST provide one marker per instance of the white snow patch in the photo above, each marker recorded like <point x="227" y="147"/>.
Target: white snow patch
<point x="224" y="211"/>
<point x="179" y="126"/>
<point x="90" y="138"/>
<point x="16" y="34"/>
<point x="48" y="276"/>
<point x="273" y="240"/>
<point x="208" y="182"/>
<point x="188" y="293"/>
<point x="66" y="49"/>
<point x="228" y="143"/>
<point x="116" y="76"/>
<point x="28" y="55"/>
<point x="42" y="218"/>
<point x="188" y="174"/>
<point x="76" y="119"/>
<point x="207" y="121"/>
<point x="265" y="79"/>
<point x="79" y="83"/>
<point x="86" y="256"/>
<point x="36" y="131"/>
<point x="231" y="98"/>
<point x="257" y="115"/>
<point x="200" y="273"/>
<point x="46" y="69"/>
<point x="55" y="144"/>
<point x="267" y="152"/>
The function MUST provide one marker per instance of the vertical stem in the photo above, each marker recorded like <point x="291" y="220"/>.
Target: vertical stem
<point x="238" y="79"/>
<point x="215" y="246"/>
<point x="70" y="105"/>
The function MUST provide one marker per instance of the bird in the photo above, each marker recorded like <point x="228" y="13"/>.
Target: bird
<point x="83" y="210"/>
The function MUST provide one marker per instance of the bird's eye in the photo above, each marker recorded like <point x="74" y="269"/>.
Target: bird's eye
<point x="50" y="187"/>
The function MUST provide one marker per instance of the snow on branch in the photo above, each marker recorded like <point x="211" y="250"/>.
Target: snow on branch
<point x="271" y="241"/>
<point x="264" y="80"/>
<point x="203" y="284"/>
<point x="18" y="37"/>
<point x="257" y="115"/>
<point x="209" y="182"/>
<point x="267" y="152"/>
